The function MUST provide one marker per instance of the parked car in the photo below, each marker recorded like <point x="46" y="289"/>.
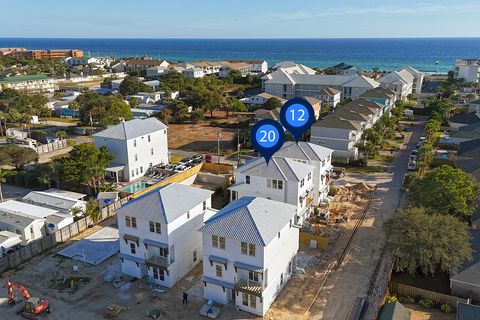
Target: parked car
<point x="197" y="157"/>
<point x="412" y="165"/>
<point x="414" y="154"/>
<point x="186" y="160"/>
<point x="179" y="168"/>
<point x="208" y="158"/>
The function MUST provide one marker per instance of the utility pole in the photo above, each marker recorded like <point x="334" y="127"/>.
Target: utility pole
<point x="91" y="124"/>
<point x="218" y="146"/>
<point x="238" y="147"/>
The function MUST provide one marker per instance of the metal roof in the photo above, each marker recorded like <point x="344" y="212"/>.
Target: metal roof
<point x="251" y="219"/>
<point x="304" y="151"/>
<point x="218" y="282"/>
<point x="165" y="204"/>
<point x="154" y="243"/>
<point x="131" y="258"/>
<point x="26" y="209"/>
<point x="127" y="130"/>
<point x="50" y="199"/>
<point x="277" y="168"/>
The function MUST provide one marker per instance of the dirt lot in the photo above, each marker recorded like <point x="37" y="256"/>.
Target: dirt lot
<point x="201" y="136"/>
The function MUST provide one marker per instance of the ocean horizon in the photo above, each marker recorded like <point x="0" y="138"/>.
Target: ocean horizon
<point x="367" y="53"/>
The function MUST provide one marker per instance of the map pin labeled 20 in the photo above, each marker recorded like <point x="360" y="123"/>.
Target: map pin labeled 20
<point x="267" y="137"/>
<point x="297" y="116"/>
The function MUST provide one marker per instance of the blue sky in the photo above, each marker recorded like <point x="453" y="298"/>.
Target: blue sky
<point x="240" y="18"/>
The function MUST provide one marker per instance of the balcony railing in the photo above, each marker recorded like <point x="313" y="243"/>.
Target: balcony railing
<point x="158" y="262"/>
<point x="309" y="201"/>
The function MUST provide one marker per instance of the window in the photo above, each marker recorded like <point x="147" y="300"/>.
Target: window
<point x="253" y="276"/>
<point x="136" y="157"/>
<point x="279" y="235"/>
<point x="222" y="242"/>
<point x="17" y="231"/>
<point x="188" y="214"/>
<point x="136" y="171"/>
<point x="148" y="137"/>
<point x="249" y="300"/>
<point x="128" y="221"/>
<point x="158" y="274"/>
<point x="274" y="184"/>
<point x="134" y="142"/>
<point x="251" y="249"/>
<point x="141" y="169"/>
<point x="134" y="222"/>
<point x="154" y="227"/>
<point x="214" y="241"/>
<point x="31" y="229"/>
<point x="247" y="179"/>
<point x="204" y="205"/>
<point x="218" y="270"/>
<point x="302" y="183"/>
<point x="244" y="248"/>
<point x="133" y="173"/>
<point x="195" y="256"/>
<point x="151" y="151"/>
<point x="281" y="278"/>
<point x="133" y="248"/>
<point x="309" y="176"/>
<point x="164" y="252"/>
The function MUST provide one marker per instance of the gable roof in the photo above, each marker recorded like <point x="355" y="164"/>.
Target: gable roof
<point x="304" y="151"/>
<point x="50" y="200"/>
<point x="349" y="114"/>
<point x="414" y="72"/>
<point x="395" y="77"/>
<point x="126" y="130"/>
<point x="329" y="91"/>
<point x="250" y="219"/>
<point x="378" y="93"/>
<point x="466" y="118"/>
<point x="362" y="82"/>
<point x="267" y="114"/>
<point x="312" y="101"/>
<point x="394" y="311"/>
<point x="278" y="168"/>
<point x="470" y="271"/>
<point x="165" y="204"/>
<point x="467" y="311"/>
<point x="338" y="123"/>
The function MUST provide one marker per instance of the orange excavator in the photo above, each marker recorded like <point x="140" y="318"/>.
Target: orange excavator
<point x="33" y="306"/>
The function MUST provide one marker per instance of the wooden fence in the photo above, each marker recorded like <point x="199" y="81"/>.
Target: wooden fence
<point x="52" y="146"/>
<point x="51" y="240"/>
<point x="439" y="298"/>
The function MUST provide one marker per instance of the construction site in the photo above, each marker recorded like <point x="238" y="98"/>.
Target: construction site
<point x="65" y="284"/>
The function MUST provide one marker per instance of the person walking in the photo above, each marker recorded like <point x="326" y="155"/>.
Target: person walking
<point x="185" y="298"/>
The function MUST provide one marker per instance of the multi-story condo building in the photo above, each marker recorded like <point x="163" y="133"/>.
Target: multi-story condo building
<point x="341" y="130"/>
<point x="383" y="96"/>
<point x="288" y="84"/>
<point x="467" y="69"/>
<point x="283" y="180"/>
<point x="317" y="156"/>
<point x="249" y="253"/>
<point x="37" y="83"/>
<point x="400" y="82"/>
<point x="159" y="237"/>
<point x="136" y="145"/>
<point x="417" y="78"/>
<point x="48" y="54"/>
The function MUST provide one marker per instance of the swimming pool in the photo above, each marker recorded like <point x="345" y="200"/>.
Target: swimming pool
<point x="137" y="186"/>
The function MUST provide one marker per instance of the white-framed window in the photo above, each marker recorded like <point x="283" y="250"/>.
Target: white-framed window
<point x="247" y="179"/>
<point x="141" y="169"/>
<point x="302" y="183"/>
<point x="249" y="300"/>
<point x="158" y="274"/>
<point x="275" y="184"/>
<point x="131" y="222"/>
<point x="309" y="176"/>
<point x="248" y="248"/>
<point x="151" y="151"/>
<point x="204" y="205"/>
<point x="218" y="242"/>
<point x="134" y="142"/>
<point x="136" y="171"/>
<point x="136" y="157"/>
<point x="133" y="173"/>
<point x="133" y="248"/>
<point x="155" y="227"/>
<point x="253" y="276"/>
<point x="148" y="137"/>
<point x="218" y="270"/>
<point x="195" y="256"/>
<point x="188" y="214"/>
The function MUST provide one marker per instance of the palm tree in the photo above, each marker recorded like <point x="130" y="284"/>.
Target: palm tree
<point x="3" y="179"/>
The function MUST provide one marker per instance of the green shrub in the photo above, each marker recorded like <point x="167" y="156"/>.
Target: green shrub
<point x="426" y="303"/>
<point x="406" y="300"/>
<point x="30" y="180"/>
<point x="333" y="191"/>
<point x="446" y="308"/>
<point x="20" y="178"/>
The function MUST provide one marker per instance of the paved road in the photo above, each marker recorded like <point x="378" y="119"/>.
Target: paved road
<point x="352" y="279"/>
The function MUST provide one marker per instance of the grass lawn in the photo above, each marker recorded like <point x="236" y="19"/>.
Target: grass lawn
<point x="438" y="283"/>
<point x="384" y="158"/>
<point x="390" y="147"/>
<point x="65" y="120"/>
<point x="367" y="169"/>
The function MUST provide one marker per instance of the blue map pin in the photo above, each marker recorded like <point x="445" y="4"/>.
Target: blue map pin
<point x="297" y="116"/>
<point x="267" y="136"/>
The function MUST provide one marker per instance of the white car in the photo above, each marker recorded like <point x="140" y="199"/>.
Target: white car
<point x="412" y="165"/>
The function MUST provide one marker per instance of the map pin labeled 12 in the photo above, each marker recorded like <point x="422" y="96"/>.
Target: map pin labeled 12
<point x="297" y="116"/>
<point x="267" y="136"/>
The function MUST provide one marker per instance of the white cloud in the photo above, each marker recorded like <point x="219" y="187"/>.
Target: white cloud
<point x="418" y="9"/>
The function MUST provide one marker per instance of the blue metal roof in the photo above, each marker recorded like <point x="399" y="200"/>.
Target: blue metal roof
<point x="218" y="282"/>
<point x="131" y="258"/>
<point x="247" y="266"/>
<point x="155" y="243"/>
<point x="217" y="259"/>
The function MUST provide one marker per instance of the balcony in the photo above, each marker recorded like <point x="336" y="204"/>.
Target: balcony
<point x="157" y="262"/>
<point x="250" y="287"/>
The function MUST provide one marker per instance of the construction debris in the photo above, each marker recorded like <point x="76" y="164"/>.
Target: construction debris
<point x="113" y="311"/>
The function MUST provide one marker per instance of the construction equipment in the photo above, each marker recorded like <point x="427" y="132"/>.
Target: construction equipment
<point x="33" y="306"/>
